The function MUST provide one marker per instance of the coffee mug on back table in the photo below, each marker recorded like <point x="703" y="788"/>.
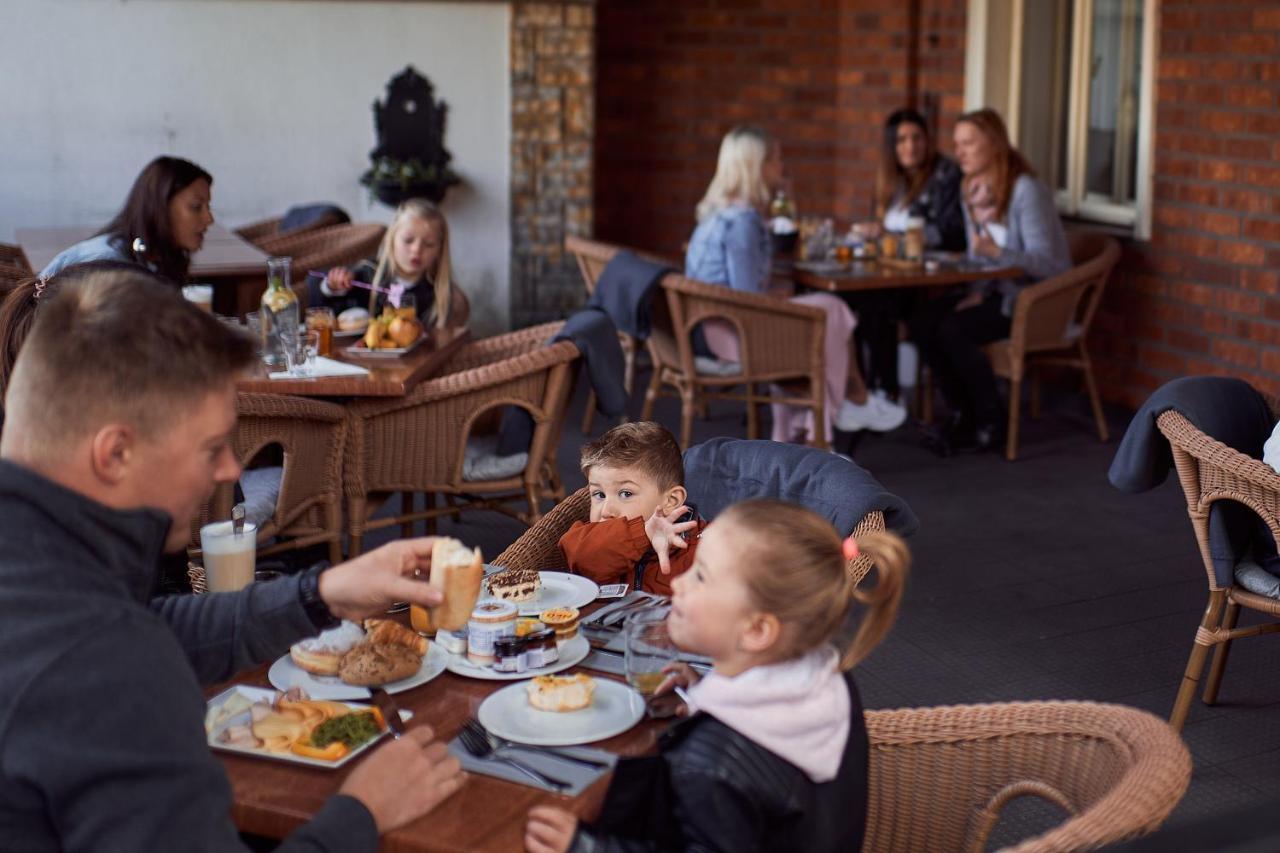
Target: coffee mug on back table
<point x="199" y="294"/>
<point x="229" y="557"/>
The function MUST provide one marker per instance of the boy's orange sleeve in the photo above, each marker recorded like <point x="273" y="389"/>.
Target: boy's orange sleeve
<point x="681" y="561"/>
<point x="605" y="551"/>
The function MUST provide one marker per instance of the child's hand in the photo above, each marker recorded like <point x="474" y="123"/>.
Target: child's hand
<point x="678" y="675"/>
<point x="663" y="534"/>
<point x="338" y="280"/>
<point x="549" y="830"/>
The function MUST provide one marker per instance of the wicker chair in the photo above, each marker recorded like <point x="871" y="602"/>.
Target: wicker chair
<point x="269" y="229"/>
<point x="593" y="256"/>
<point x="1210" y="471"/>
<point x="1051" y="321"/>
<point x="538" y="547"/>
<point x="313" y="435"/>
<point x="780" y="341"/>
<point x="417" y="444"/>
<point x="325" y="248"/>
<point x="939" y="777"/>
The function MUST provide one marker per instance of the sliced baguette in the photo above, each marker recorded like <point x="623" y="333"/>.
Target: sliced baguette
<point x="457" y="571"/>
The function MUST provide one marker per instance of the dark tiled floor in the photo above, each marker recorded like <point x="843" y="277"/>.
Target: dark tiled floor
<point x="1037" y="580"/>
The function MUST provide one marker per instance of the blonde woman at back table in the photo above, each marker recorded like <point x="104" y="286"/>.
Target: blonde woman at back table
<point x="731" y="247"/>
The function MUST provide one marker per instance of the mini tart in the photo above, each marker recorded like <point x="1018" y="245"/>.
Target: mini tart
<point x="564" y="620"/>
<point x="561" y="692"/>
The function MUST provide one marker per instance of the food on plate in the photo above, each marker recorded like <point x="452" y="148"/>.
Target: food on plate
<point x="353" y="320"/>
<point x="525" y="627"/>
<point x="387" y="632"/>
<point x="514" y="584"/>
<point x="368" y="665"/>
<point x="290" y="722"/>
<point x="238" y="703"/>
<point x="420" y="619"/>
<point x="404" y="331"/>
<point x="456" y="570"/>
<point x="351" y="729"/>
<point x="564" y="620"/>
<point x="561" y="692"/>
<point x="395" y="329"/>
<point x="321" y="655"/>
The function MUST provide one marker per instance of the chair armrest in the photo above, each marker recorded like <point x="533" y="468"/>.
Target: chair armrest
<point x="1221" y="458"/>
<point x="539" y="547"/>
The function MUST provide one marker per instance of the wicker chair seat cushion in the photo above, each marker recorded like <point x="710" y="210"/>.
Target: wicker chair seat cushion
<point x="708" y="366"/>
<point x="261" y="487"/>
<point x="1223" y="408"/>
<point x="723" y="471"/>
<point x="481" y="460"/>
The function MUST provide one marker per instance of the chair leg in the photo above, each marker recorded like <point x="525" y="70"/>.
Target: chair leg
<point x="629" y="365"/>
<point x="651" y="394"/>
<point x="753" y="414"/>
<point x="1195" y="664"/>
<point x="456" y="504"/>
<point x="1015" y="400"/>
<point x="535" y="507"/>
<point x="406" y="508"/>
<point x="429" y="502"/>
<point x="1219" y="664"/>
<point x="1035" y="393"/>
<point x="925" y="388"/>
<point x="356" y="509"/>
<point x="688" y="403"/>
<point x="589" y="414"/>
<point x="1098" y="417"/>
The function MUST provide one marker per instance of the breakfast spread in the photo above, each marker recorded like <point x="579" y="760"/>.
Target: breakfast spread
<point x="561" y="692"/>
<point x="514" y="584"/>
<point x="380" y="653"/>
<point x="290" y="722"/>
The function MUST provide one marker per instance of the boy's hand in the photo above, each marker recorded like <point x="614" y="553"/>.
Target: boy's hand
<point x="549" y="830"/>
<point x="663" y="534"/>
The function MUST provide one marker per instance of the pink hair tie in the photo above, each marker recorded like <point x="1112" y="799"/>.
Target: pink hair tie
<point x="41" y="283"/>
<point x="850" y="549"/>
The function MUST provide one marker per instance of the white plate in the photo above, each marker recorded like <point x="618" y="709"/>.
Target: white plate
<point x="559" y="589"/>
<point x="284" y="673"/>
<point x="615" y="707"/>
<point x="351" y="333"/>
<point x="571" y="654"/>
<point x="255" y="694"/>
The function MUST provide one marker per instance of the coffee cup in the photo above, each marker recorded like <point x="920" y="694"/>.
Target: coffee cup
<point x="199" y="294"/>
<point x="229" y="557"/>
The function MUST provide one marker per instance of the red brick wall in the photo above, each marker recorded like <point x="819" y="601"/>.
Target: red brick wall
<point x="1203" y="296"/>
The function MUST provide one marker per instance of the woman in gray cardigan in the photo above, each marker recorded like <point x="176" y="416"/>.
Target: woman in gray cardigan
<point x="1011" y="221"/>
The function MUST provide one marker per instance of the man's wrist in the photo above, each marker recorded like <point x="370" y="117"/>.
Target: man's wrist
<point x="312" y="602"/>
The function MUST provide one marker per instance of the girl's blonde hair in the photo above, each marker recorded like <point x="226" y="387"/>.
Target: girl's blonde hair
<point x="441" y="278"/>
<point x="739" y="173"/>
<point x="798" y="572"/>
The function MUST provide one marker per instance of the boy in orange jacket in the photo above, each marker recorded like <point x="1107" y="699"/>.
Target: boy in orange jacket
<point x="641" y="531"/>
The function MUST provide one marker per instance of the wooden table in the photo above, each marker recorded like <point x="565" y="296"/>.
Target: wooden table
<point x="386" y="377"/>
<point x="273" y="798"/>
<point x="236" y="268"/>
<point x="871" y="275"/>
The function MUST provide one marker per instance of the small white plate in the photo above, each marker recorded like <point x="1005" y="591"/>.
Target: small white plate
<point x="571" y="654"/>
<point x="284" y="673"/>
<point x="559" y="589"/>
<point x="614" y="709"/>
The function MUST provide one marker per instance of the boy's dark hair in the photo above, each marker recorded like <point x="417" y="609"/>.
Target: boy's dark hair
<point x="118" y="345"/>
<point x="645" y="445"/>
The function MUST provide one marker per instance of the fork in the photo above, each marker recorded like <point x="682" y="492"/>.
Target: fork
<point x="480" y="747"/>
<point x="500" y="744"/>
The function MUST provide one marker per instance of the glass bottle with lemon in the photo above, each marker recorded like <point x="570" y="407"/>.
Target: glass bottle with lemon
<point x="279" y="313"/>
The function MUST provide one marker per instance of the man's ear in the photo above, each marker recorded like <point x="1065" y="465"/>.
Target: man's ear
<point x="675" y="497"/>
<point x="112" y="453"/>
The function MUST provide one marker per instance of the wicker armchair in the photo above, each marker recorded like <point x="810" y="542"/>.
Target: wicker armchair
<point x="313" y="435"/>
<point x="325" y="248"/>
<point x="255" y="232"/>
<point x="1051" y="321"/>
<point x="538" y="548"/>
<point x="1210" y="471"/>
<point x="780" y="341"/>
<point x="418" y="443"/>
<point x="593" y="256"/>
<point x="939" y="777"/>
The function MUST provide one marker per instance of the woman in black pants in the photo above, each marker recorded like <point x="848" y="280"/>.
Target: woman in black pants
<point x="1011" y="221"/>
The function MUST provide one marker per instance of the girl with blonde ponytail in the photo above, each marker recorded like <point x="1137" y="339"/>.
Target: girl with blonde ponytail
<point x="773" y="754"/>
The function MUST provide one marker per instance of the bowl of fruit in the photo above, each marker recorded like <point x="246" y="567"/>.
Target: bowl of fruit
<point x="396" y="332"/>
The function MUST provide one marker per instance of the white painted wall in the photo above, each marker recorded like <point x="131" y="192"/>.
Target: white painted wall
<point x="272" y="97"/>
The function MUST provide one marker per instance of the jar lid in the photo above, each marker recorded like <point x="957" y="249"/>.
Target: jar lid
<point x="504" y="646"/>
<point x="540" y="636"/>
<point x="494" y="610"/>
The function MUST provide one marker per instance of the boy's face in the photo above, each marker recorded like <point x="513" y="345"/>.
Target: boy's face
<point x="628" y="493"/>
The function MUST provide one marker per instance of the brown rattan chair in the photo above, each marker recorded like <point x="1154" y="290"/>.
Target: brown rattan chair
<point x="593" y="256"/>
<point x="269" y="229"/>
<point x="538" y="547"/>
<point x="324" y="248"/>
<point x="418" y="443"/>
<point x="1210" y="471"/>
<point x="312" y="434"/>
<point x="1051" y="321"/>
<point x="780" y="342"/>
<point x="939" y="777"/>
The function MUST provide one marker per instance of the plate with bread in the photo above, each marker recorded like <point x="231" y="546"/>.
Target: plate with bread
<point x="344" y="662"/>
<point x="561" y="710"/>
<point x="535" y="592"/>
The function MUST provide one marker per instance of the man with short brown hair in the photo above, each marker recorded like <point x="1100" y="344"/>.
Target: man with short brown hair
<point x="119" y="414"/>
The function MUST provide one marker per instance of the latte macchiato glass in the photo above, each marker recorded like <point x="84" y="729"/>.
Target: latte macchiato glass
<point x="229" y="557"/>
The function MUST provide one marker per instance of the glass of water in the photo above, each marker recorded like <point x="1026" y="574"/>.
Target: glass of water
<point x="300" y="353"/>
<point x="648" y="649"/>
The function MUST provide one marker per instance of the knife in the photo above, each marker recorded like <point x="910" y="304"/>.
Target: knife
<point x="390" y="712"/>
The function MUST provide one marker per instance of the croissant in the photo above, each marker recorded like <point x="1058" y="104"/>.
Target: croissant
<point x="385" y="632"/>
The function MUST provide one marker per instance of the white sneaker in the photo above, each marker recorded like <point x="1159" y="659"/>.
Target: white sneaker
<point x="877" y="414"/>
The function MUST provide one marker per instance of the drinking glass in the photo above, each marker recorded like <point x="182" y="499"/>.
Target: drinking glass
<point x="300" y="352"/>
<point x="199" y="294"/>
<point x="229" y="557"/>
<point x="648" y="648"/>
<point x="322" y="321"/>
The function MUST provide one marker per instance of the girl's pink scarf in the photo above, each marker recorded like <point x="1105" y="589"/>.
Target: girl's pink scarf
<point x="797" y="709"/>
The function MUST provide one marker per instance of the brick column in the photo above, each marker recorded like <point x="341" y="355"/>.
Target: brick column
<point x="552" y="127"/>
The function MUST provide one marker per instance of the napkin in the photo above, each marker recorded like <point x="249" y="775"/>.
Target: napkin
<point x="579" y="776"/>
<point x="325" y="367"/>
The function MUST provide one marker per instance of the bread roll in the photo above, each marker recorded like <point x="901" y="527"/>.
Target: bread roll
<point x="373" y="666"/>
<point x="353" y="320"/>
<point x="457" y="571"/>
<point x="321" y="655"/>
<point x="561" y="692"/>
